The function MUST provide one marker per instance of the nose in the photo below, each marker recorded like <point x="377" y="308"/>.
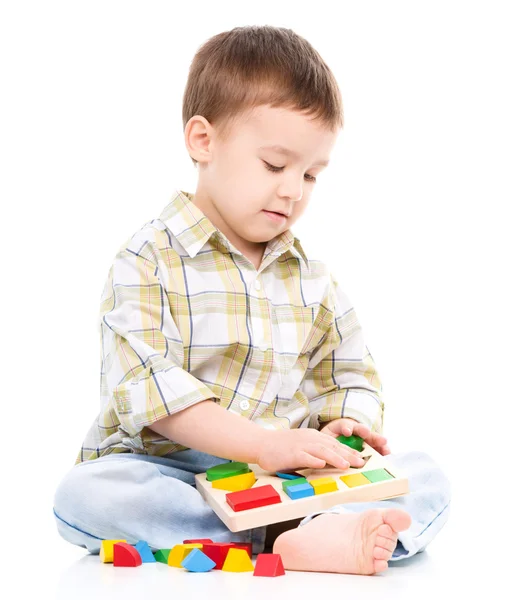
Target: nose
<point x="291" y="189"/>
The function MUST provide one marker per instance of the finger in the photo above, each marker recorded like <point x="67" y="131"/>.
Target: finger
<point x="339" y="456"/>
<point x="370" y="437"/>
<point x="310" y="461"/>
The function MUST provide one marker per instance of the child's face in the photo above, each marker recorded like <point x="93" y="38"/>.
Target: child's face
<point x="235" y="184"/>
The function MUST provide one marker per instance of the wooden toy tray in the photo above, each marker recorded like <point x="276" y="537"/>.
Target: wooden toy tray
<point x="289" y="509"/>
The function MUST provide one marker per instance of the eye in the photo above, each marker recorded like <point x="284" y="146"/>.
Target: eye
<point x="278" y="169"/>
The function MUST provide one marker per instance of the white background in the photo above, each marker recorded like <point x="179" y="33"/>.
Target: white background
<point x="414" y="215"/>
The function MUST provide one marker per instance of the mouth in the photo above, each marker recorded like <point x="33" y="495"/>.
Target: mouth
<point x="272" y="212"/>
<point x="275" y="216"/>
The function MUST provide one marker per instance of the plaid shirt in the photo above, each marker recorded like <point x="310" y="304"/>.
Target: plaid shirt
<point x="186" y="317"/>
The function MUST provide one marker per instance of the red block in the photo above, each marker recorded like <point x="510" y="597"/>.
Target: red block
<point x="217" y="551"/>
<point x="125" y="555"/>
<point x="199" y="541"/>
<point x="252" y="498"/>
<point x="268" y="565"/>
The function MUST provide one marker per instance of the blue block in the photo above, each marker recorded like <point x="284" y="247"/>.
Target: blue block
<point x="289" y="475"/>
<point x="197" y="561"/>
<point x="301" y="490"/>
<point x="144" y="550"/>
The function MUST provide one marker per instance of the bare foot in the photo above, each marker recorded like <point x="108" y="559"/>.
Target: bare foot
<point x="357" y="543"/>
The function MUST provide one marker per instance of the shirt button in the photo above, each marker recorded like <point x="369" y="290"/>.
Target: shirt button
<point x="257" y="285"/>
<point x="245" y="405"/>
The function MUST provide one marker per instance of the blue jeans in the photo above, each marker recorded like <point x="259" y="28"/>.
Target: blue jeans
<point x="141" y="497"/>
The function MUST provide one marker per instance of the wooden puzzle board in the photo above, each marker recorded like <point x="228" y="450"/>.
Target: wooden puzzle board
<point x="289" y="509"/>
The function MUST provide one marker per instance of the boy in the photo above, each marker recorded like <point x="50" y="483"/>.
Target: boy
<point x="221" y="339"/>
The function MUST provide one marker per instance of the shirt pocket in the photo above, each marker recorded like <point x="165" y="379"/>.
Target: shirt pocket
<point x="297" y="330"/>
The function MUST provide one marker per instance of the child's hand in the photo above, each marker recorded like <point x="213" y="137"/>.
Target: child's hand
<point x="285" y="449"/>
<point x="347" y="426"/>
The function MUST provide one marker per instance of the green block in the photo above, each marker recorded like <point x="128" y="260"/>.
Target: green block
<point x="377" y="475"/>
<point x="162" y="555"/>
<point x="354" y="441"/>
<point x="229" y="469"/>
<point x="289" y="482"/>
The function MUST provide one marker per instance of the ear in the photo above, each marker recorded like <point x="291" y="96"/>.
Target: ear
<point x="198" y="138"/>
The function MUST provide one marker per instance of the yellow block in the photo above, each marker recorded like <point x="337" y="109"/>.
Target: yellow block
<point x="107" y="550"/>
<point x="179" y="552"/>
<point x="235" y="483"/>
<point x="237" y="561"/>
<point x="324" y="485"/>
<point x="355" y="480"/>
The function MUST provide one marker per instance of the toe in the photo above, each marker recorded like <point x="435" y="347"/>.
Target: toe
<point x="380" y="565"/>
<point x="386" y="543"/>
<point x="381" y="553"/>
<point x="398" y="519"/>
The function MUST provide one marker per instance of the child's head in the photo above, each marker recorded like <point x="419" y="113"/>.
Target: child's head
<point x="248" y="88"/>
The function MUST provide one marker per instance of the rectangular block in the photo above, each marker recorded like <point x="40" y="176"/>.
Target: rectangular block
<point x="354" y="480"/>
<point x="252" y="498"/>
<point x="303" y="490"/>
<point x="377" y="475"/>
<point x="323" y="485"/>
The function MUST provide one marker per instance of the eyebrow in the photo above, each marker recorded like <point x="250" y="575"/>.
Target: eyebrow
<point x="287" y="152"/>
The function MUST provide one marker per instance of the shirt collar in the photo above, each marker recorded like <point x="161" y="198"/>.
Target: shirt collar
<point x="192" y="229"/>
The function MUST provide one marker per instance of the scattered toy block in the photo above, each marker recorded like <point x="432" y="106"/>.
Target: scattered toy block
<point x="377" y="475"/>
<point x="162" y="555"/>
<point x="106" y="550"/>
<point x="217" y="552"/>
<point x="237" y="561"/>
<point x="290" y="482"/>
<point x="354" y="480"/>
<point x="256" y="496"/>
<point x="353" y="441"/>
<point x="324" y="485"/>
<point x="144" y="551"/>
<point x="125" y="555"/>
<point x="179" y="552"/>
<point x="302" y="490"/>
<point x="227" y="470"/>
<point x="236" y="483"/>
<point x="288" y="474"/>
<point x="269" y="565"/>
<point x="198" y="561"/>
<point x="199" y="541"/>
<point x="245" y="545"/>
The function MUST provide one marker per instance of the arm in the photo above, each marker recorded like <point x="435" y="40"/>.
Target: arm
<point x="341" y="379"/>
<point x="209" y="428"/>
<point x="142" y="351"/>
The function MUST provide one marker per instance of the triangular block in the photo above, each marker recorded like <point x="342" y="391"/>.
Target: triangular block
<point x="237" y="561"/>
<point x="198" y="562"/>
<point x="106" y="551"/>
<point x="269" y="565"/>
<point x="179" y="552"/>
<point x="144" y="550"/>
<point x="245" y="546"/>
<point x="162" y="555"/>
<point x="126" y="555"/>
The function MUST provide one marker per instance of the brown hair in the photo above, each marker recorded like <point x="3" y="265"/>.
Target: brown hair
<point x="235" y="71"/>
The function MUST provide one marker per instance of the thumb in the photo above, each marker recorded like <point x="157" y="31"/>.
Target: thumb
<point x="337" y="428"/>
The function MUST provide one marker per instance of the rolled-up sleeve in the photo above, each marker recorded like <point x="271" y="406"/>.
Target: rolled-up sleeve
<point x="341" y="379"/>
<point x="142" y="351"/>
